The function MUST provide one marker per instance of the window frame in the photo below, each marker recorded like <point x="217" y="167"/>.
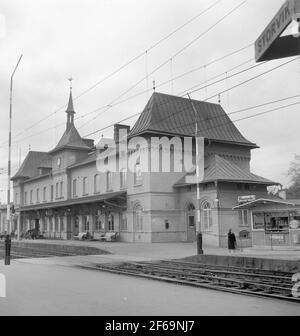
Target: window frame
<point x="243" y="214"/>
<point x="85" y="186"/>
<point x="109" y="181"/>
<point x="44" y="194"/>
<point x="96" y="184"/>
<point x="56" y="190"/>
<point x="124" y="224"/>
<point x="207" y="219"/>
<point x="138" y="179"/>
<point x="61" y="189"/>
<point x="123" y="178"/>
<point x="74" y="188"/>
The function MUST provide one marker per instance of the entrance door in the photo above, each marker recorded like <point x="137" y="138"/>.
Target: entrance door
<point x="191" y="223"/>
<point x="37" y="225"/>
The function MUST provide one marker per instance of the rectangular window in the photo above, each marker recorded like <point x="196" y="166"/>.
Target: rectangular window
<point x="111" y="223"/>
<point x="86" y="223"/>
<point x="25" y="197"/>
<point x="124" y="222"/>
<point x="61" y="189"/>
<point x="74" y="188"/>
<point x="44" y="194"/>
<point x="243" y="218"/>
<point x="31" y="196"/>
<point x="99" y="222"/>
<point x="138" y="174"/>
<point x="109" y="181"/>
<point x="52" y="193"/>
<point x="84" y="186"/>
<point x="96" y="184"/>
<point x="258" y="221"/>
<point x="56" y="190"/>
<point x="38" y="195"/>
<point x="62" y="227"/>
<point x="123" y="179"/>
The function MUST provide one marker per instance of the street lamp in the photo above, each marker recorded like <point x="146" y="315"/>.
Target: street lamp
<point x="9" y="147"/>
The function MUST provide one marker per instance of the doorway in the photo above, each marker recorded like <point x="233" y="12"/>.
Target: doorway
<point x="191" y="222"/>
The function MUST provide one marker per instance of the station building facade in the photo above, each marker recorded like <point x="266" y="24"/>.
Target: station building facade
<point x="62" y="192"/>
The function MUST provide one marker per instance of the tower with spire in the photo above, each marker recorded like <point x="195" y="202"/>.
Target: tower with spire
<point x="71" y="139"/>
<point x="70" y="109"/>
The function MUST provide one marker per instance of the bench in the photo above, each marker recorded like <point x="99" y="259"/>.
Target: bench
<point x="82" y="236"/>
<point x="109" y="237"/>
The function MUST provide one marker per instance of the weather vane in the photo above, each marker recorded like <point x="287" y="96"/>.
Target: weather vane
<point x="70" y="80"/>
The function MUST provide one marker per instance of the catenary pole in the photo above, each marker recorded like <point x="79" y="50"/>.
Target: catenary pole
<point x="198" y="225"/>
<point x="9" y="151"/>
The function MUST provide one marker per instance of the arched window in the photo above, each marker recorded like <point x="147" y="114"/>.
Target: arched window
<point x="138" y="174"/>
<point x="206" y="216"/>
<point x="74" y="188"/>
<point x="190" y="207"/>
<point x="109" y="181"/>
<point x="96" y="183"/>
<point x="85" y="186"/>
<point x="138" y="218"/>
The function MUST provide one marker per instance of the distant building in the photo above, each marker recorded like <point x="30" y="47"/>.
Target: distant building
<point x="62" y="193"/>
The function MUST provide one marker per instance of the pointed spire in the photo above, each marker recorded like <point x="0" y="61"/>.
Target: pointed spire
<point x="70" y="104"/>
<point x="70" y="109"/>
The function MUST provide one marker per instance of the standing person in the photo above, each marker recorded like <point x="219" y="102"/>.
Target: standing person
<point x="231" y="241"/>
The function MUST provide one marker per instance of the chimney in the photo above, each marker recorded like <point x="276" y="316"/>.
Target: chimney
<point x="117" y="128"/>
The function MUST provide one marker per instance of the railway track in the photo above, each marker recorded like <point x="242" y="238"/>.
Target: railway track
<point x="247" y="281"/>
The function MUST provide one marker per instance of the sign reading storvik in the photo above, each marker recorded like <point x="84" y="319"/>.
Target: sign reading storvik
<point x="276" y="27"/>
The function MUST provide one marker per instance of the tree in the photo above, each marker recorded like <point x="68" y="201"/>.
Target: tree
<point x="294" y="173"/>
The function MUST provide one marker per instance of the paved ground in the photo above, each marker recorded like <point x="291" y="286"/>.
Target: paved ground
<point x="35" y="289"/>
<point x="53" y="286"/>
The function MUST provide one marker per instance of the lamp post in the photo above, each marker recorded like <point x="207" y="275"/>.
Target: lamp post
<point x="9" y="148"/>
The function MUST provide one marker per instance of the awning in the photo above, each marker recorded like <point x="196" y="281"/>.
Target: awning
<point x="262" y="201"/>
<point x="119" y="196"/>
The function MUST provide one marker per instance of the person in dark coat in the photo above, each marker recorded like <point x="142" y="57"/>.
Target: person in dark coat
<point x="231" y="241"/>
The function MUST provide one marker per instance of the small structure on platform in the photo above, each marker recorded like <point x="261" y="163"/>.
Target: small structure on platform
<point x="274" y="222"/>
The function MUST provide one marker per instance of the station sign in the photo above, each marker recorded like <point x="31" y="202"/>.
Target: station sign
<point x="270" y="45"/>
<point x="246" y="199"/>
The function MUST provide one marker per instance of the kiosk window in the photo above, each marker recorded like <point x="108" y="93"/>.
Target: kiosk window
<point x="258" y="221"/>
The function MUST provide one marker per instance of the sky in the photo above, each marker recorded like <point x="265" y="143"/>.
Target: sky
<point x="88" y="40"/>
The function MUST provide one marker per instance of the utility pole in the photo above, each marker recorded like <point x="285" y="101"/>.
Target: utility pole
<point x="198" y="225"/>
<point x="9" y="149"/>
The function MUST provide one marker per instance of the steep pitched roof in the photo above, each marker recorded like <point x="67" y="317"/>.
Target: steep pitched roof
<point x="70" y="108"/>
<point x="90" y="159"/>
<point x="220" y="169"/>
<point x="166" y="114"/>
<point x="30" y="165"/>
<point x="72" y="140"/>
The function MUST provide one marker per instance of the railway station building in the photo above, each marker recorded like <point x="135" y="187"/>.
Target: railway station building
<point x="62" y="192"/>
